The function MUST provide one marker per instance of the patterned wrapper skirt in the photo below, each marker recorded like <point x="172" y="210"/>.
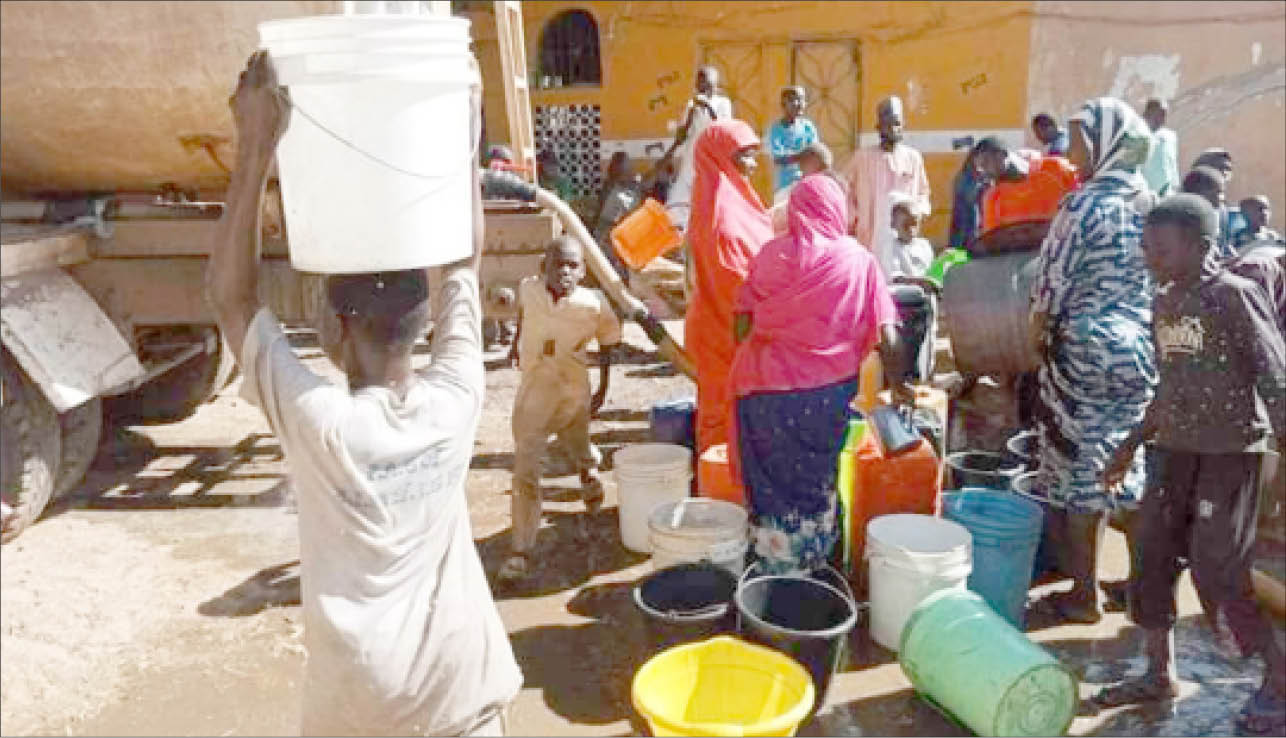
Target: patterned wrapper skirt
<point x="790" y="444"/>
<point x="1095" y="385"/>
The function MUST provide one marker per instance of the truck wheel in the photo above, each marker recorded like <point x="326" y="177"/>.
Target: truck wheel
<point x="81" y="428"/>
<point x="29" y="454"/>
<point x="177" y="393"/>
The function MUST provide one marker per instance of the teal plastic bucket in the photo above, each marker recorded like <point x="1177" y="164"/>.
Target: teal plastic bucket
<point x="1006" y="530"/>
<point x="961" y="655"/>
<point x="1051" y="531"/>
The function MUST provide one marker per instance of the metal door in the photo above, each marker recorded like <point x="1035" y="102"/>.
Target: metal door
<point x="744" y="79"/>
<point x="741" y="66"/>
<point x="831" y="72"/>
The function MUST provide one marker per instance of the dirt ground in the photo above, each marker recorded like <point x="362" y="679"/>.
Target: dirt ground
<point x="161" y="598"/>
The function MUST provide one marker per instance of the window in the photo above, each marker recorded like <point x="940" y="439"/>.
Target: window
<point x="569" y="49"/>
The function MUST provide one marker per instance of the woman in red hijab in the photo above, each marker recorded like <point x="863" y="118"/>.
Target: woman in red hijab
<point x="727" y="226"/>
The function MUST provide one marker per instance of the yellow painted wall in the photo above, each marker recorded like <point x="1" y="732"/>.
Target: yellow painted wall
<point x="957" y="65"/>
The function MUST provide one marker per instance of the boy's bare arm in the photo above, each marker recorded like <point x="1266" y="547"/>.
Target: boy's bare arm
<point x="680" y="135"/>
<point x="1119" y="463"/>
<point x="892" y="357"/>
<point x="232" y="278"/>
<point x="605" y="354"/>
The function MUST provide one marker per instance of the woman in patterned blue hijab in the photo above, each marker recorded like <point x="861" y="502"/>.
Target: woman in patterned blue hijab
<point x="1091" y="321"/>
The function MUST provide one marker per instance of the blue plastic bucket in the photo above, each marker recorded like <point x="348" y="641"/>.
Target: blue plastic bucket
<point x="674" y="421"/>
<point x="1006" y="531"/>
<point x="1051" y="538"/>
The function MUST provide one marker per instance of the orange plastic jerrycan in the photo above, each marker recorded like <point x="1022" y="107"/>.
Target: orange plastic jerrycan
<point x="883" y="485"/>
<point x="645" y="234"/>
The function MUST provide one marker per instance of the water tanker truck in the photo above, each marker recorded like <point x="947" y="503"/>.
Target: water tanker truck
<point x="114" y="152"/>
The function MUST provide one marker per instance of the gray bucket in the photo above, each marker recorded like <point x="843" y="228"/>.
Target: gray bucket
<point x="803" y="617"/>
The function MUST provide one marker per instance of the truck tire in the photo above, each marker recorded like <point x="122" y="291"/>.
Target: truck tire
<point x="178" y="393"/>
<point x="30" y="453"/>
<point x="80" y="428"/>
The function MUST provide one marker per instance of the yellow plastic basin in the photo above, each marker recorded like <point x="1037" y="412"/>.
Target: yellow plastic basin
<point x="722" y="687"/>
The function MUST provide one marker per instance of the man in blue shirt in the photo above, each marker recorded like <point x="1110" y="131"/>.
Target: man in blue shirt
<point x="788" y="137"/>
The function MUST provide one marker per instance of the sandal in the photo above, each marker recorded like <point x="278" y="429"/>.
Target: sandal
<point x="1144" y="689"/>
<point x="1060" y="606"/>
<point x="1263" y="714"/>
<point x="516" y="567"/>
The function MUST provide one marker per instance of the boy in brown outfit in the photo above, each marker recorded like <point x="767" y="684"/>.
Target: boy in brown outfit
<point x="557" y="318"/>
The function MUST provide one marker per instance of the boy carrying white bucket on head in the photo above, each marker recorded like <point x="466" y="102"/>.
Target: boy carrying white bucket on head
<point x="557" y="318"/>
<point x="402" y="633"/>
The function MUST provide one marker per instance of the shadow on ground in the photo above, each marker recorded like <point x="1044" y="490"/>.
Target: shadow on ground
<point x="659" y="371"/>
<point x="623" y="416"/>
<point x="584" y="671"/>
<point x="275" y="586"/>
<point x="571" y="549"/>
<point x="123" y="475"/>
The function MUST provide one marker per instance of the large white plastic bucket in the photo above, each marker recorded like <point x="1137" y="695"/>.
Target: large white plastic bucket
<point x="911" y="557"/>
<point x="648" y="475"/>
<point x="695" y="529"/>
<point x="375" y="166"/>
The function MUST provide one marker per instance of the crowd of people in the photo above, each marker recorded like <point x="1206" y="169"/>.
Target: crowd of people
<point x="1158" y="320"/>
<point x="1157" y="316"/>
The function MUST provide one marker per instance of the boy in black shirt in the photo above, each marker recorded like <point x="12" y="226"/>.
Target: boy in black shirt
<point x="1222" y="387"/>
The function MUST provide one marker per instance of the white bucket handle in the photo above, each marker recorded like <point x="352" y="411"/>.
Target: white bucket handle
<point x="449" y="177"/>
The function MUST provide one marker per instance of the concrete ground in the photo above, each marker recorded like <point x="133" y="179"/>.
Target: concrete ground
<point x="161" y="598"/>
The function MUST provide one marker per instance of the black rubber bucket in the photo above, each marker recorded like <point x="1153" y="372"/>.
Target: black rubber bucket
<point x="1022" y="449"/>
<point x="803" y="617"/>
<point x="685" y="603"/>
<point x="981" y="469"/>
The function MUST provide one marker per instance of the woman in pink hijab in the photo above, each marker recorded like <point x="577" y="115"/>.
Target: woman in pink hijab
<point x="813" y="306"/>
<point x="727" y="226"/>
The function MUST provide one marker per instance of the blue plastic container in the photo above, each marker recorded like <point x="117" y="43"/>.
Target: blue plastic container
<point x="1052" y="534"/>
<point x="674" y="421"/>
<point x="1006" y="530"/>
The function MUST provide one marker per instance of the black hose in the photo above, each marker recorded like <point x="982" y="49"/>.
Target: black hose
<point x="502" y="185"/>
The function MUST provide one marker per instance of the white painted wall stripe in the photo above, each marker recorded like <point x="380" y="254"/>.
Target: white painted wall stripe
<point x="939" y="141"/>
<point x="927" y="142"/>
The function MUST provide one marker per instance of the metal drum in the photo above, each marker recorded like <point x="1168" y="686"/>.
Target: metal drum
<point x="986" y="307"/>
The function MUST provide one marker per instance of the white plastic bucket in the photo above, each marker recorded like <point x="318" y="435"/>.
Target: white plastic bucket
<point x="648" y="475"/>
<point x="375" y="166"/>
<point x="911" y="557"/>
<point x="696" y="529"/>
